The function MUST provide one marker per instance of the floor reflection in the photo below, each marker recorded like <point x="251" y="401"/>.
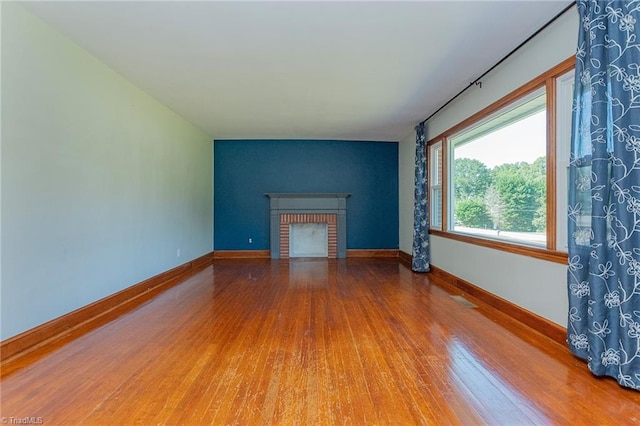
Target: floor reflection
<point x="495" y="400"/>
<point x="305" y="273"/>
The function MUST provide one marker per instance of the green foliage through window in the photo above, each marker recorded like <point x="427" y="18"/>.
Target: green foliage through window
<point x="509" y="197"/>
<point x="509" y="194"/>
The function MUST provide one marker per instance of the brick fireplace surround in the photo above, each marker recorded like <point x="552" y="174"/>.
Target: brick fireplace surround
<point x="288" y="208"/>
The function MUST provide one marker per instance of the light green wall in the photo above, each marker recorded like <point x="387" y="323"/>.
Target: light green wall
<point x="534" y="284"/>
<point x="101" y="184"/>
<point x="406" y="183"/>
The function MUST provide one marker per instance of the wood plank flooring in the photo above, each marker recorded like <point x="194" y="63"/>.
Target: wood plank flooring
<point x="311" y="342"/>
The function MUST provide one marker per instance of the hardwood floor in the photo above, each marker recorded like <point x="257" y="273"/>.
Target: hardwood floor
<point x="311" y="342"/>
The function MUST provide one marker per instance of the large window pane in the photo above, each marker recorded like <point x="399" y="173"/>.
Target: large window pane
<point x="498" y="175"/>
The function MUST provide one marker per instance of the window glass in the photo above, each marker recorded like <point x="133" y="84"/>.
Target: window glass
<point x="498" y="178"/>
<point x="435" y="185"/>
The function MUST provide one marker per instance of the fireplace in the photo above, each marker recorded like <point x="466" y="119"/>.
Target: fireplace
<point x="287" y="209"/>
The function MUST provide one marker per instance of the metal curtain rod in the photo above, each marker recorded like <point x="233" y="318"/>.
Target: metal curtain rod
<point x="477" y="80"/>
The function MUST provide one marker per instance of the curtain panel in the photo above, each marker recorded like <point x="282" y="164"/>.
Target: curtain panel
<point x="420" y="262"/>
<point x="604" y="193"/>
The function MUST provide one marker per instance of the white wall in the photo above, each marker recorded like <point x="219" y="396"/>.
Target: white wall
<point x="101" y="184"/>
<point x="536" y="285"/>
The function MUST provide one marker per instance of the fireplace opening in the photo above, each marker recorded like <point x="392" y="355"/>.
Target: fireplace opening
<point x="308" y="240"/>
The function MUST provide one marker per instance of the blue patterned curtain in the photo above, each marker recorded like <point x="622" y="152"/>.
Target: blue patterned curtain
<point x="604" y="192"/>
<point x="420" y="253"/>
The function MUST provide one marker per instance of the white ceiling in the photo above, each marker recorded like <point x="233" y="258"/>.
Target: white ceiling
<point x="300" y="70"/>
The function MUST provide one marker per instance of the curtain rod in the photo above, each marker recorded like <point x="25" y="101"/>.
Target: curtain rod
<point x="477" y="80"/>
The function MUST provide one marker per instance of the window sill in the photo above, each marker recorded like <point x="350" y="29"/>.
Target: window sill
<point x="536" y="252"/>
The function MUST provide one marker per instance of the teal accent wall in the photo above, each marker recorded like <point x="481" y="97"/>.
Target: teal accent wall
<point x="244" y="170"/>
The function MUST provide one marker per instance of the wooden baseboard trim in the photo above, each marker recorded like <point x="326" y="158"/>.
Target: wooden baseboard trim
<point x="265" y="254"/>
<point x="405" y="257"/>
<point x="242" y="254"/>
<point x="99" y="312"/>
<point x="526" y="317"/>
<point x="393" y="253"/>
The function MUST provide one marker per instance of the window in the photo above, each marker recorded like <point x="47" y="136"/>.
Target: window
<point x="498" y="174"/>
<point x="498" y="179"/>
<point x="435" y="185"/>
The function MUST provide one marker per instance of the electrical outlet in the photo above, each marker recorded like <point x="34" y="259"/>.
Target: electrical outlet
<point x="250" y="240"/>
<point x="178" y="253"/>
